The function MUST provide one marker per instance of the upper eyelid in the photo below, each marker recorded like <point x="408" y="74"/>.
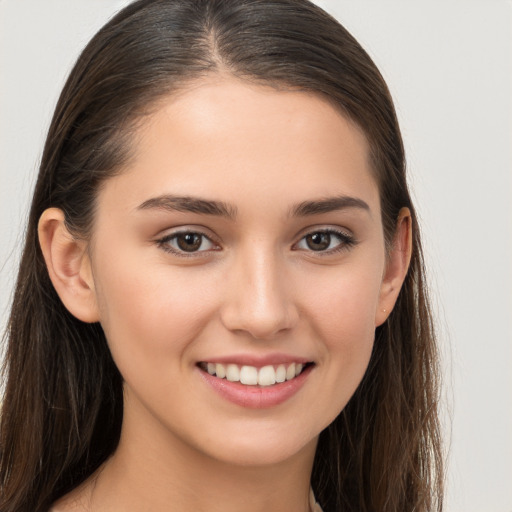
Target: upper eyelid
<point x="179" y="230"/>
<point x="325" y="229"/>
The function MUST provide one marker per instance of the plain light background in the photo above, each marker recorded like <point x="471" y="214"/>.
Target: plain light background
<point x="448" y="64"/>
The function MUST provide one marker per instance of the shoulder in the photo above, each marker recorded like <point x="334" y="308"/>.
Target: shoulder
<point x="78" y="500"/>
<point x="313" y="505"/>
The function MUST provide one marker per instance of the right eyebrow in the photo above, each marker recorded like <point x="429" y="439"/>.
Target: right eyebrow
<point x="190" y="204"/>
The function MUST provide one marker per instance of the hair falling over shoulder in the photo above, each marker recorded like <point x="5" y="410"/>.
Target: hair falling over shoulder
<point x="63" y="401"/>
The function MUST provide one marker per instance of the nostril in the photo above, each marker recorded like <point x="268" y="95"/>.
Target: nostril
<point x="260" y="323"/>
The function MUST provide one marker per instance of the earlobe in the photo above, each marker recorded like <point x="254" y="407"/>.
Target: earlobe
<point x="68" y="265"/>
<point x="397" y="266"/>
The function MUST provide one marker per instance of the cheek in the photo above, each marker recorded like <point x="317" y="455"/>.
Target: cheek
<point x="343" y="304"/>
<point x="344" y="319"/>
<point x="349" y="317"/>
<point x="147" y="309"/>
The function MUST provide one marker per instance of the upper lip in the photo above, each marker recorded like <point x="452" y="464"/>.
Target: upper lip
<point x="257" y="361"/>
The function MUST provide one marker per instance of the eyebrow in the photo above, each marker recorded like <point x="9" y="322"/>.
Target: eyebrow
<point x="218" y="208"/>
<point x="190" y="204"/>
<point x="329" y="204"/>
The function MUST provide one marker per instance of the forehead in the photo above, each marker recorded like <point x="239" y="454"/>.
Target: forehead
<point x="236" y="141"/>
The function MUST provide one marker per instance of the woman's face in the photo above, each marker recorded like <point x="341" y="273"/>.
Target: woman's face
<point x="245" y="238"/>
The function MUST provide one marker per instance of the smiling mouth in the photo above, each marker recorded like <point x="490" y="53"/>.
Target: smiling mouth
<point x="269" y="375"/>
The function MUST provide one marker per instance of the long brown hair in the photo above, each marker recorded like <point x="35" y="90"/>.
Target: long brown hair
<point x="63" y="404"/>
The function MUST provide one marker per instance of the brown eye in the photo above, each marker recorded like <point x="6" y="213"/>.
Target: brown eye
<point x="189" y="242"/>
<point x="318" y="241"/>
<point x="327" y="241"/>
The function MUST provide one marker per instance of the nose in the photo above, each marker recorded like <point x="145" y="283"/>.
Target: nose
<point x="259" y="297"/>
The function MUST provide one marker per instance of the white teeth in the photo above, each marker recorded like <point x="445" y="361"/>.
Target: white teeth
<point x="220" y="370"/>
<point x="267" y="376"/>
<point x="281" y="373"/>
<point x="251" y="376"/>
<point x="232" y="373"/>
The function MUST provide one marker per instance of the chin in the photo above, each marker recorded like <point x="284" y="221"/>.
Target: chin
<point x="254" y="455"/>
<point x="260" y="447"/>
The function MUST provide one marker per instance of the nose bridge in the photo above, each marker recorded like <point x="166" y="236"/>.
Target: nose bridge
<point x="259" y="301"/>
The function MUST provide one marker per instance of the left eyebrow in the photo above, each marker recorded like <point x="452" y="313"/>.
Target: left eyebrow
<point x="329" y="204"/>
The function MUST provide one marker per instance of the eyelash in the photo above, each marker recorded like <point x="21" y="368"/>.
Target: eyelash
<point x="346" y="242"/>
<point x="163" y="243"/>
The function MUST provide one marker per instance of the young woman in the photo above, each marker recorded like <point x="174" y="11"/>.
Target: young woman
<point x="221" y="303"/>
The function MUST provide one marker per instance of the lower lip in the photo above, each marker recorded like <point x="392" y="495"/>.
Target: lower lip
<point x="256" y="397"/>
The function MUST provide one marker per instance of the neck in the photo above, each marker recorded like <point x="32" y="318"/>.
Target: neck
<point x="159" y="472"/>
<point x="151" y="482"/>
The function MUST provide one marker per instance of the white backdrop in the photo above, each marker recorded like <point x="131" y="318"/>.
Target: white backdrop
<point x="449" y="66"/>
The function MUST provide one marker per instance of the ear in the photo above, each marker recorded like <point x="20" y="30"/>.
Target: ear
<point x="396" y="267"/>
<point x="68" y="265"/>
